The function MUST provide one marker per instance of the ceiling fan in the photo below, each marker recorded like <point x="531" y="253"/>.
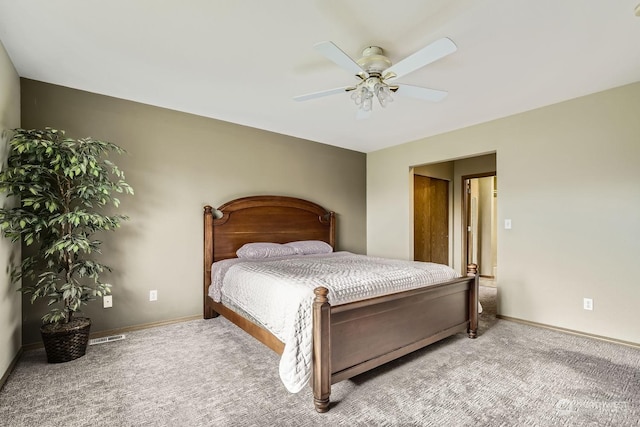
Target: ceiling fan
<point x="377" y="75"/>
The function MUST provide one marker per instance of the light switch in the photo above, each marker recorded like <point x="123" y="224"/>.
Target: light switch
<point x="507" y="224"/>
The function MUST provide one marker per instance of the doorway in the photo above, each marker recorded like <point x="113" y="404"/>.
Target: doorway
<point x="431" y="219"/>
<point x="480" y="222"/>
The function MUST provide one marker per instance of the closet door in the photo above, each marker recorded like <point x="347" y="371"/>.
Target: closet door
<point x="431" y="219"/>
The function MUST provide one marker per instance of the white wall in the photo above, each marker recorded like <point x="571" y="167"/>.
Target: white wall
<point x="10" y="305"/>
<point x="568" y="179"/>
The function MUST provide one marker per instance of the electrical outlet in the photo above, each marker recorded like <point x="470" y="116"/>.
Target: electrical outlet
<point x="107" y="301"/>
<point x="153" y="295"/>
<point x="588" y="304"/>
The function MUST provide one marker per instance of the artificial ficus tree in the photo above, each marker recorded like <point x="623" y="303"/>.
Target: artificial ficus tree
<point x="62" y="187"/>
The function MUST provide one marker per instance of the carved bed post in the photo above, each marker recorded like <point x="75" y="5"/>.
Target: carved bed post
<point x="208" y="260"/>
<point x="332" y="229"/>
<point x="321" y="376"/>
<point x="472" y="270"/>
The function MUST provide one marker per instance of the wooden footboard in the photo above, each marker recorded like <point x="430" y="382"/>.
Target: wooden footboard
<point x="353" y="338"/>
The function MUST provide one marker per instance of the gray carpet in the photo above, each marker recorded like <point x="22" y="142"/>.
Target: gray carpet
<point x="210" y="373"/>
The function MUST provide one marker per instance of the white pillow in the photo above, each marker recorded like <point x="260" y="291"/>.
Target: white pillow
<point x="310" y="247"/>
<point x="264" y="250"/>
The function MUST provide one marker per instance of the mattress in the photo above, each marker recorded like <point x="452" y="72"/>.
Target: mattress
<point x="278" y="294"/>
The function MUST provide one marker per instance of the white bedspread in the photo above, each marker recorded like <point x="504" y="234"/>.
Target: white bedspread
<point x="278" y="293"/>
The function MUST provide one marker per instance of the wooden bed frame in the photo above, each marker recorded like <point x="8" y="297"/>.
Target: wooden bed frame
<point x="348" y="339"/>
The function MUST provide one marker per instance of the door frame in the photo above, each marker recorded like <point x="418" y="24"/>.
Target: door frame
<point x="466" y="211"/>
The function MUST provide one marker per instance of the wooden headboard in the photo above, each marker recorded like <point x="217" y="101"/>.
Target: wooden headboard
<point x="277" y="219"/>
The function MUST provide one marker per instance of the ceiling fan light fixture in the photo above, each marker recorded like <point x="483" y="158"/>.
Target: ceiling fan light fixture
<point x="359" y="94"/>
<point x="383" y="93"/>
<point x="372" y="87"/>
<point x="367" y="102"/>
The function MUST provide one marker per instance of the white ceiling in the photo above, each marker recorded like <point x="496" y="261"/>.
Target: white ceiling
<point x="243" y="61"/>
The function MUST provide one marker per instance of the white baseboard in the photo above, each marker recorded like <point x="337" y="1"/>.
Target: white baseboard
<point x="570" y="331"/>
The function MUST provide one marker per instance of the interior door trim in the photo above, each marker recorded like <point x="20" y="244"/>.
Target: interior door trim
<point x="466" y="212"/>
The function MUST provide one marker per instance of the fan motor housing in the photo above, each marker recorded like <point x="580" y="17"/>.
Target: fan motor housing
<point x="373" y="60"/>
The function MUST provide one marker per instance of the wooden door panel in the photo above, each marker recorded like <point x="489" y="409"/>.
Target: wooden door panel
<point x="422" y="218"/>
<point x="431" y="219"/>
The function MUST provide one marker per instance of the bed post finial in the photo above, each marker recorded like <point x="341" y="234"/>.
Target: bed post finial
<point x="472" y="269"/>
<point x="321" y="376"/>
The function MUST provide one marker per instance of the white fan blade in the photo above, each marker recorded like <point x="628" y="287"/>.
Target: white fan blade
<point x="335" y="54"/>
<point x="320" y="94"/>
<point x="423" y="93"/>
<point x="431" y="53"/>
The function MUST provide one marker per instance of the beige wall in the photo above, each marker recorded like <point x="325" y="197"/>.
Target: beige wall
<point x="568" y="179"/>
<point x="442" y="170"/>
<point x="10" y="309"/>
<point x="177" y="163"/>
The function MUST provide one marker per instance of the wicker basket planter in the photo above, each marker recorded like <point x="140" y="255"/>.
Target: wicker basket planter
<point x="64" y="342"/>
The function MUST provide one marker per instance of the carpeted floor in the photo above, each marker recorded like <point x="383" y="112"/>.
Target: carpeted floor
<point x="210" y="373"/>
